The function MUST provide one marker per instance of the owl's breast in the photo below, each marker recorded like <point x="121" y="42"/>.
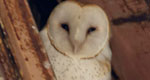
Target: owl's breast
<point x="66" y="68"/>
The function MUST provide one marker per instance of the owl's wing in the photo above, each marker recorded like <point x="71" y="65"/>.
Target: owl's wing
<point x="104" y="59"/>
<point x="47" y="44"/>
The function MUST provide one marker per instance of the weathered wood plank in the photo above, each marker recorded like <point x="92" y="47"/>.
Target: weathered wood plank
<point x="8" y="68"/>
<point x="25" y="43"/>
<point x="120" y="8"/>
<point x="131" y="51"/>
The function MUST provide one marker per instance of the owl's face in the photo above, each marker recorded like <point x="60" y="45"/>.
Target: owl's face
<point x="79" y="31"/>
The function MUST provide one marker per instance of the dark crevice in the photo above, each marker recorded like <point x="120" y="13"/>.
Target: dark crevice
<point x="41" y="10"/>
<point x="114" y="75"/>
<point x="132" y="18"/>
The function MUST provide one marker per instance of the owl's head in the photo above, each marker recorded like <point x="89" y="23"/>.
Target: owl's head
<point x="77" y="30"/>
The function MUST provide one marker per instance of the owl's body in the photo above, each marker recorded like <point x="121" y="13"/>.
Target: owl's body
<point x="76" y="39"/>
<point x="66" y="68"/>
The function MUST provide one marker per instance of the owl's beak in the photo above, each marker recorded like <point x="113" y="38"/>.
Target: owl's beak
<point x="76" y="48"/>
<point x="77" y="38"/>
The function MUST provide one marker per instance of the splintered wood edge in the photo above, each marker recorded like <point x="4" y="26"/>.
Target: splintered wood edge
<point x="24" y="40"/>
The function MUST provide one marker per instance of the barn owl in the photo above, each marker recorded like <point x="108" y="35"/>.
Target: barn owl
<point x="76" y="39"/>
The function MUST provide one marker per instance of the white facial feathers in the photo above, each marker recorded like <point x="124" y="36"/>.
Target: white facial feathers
<point x="78" y="31"/>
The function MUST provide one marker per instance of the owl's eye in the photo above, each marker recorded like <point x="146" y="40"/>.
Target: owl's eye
<point x="65" y="27"/>
<point x="91" y="29"/>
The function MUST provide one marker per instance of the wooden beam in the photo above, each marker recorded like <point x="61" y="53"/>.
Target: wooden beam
<point x="24" y="40"/>
<point x="8" y="68"/>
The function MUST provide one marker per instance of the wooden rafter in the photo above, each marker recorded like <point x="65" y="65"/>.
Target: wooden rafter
<point x="24" y="41"/>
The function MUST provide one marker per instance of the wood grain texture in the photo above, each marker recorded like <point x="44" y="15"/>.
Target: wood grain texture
<point x="8" y="68"/>
<point x="25" y="43"/>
